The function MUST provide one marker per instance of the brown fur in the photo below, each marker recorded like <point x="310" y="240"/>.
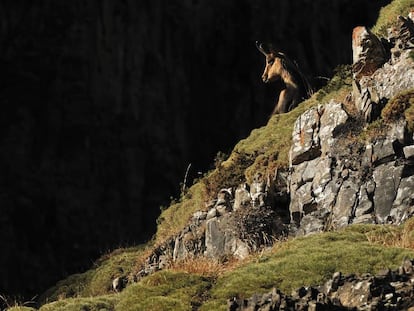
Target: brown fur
<point x="279" y="67"/>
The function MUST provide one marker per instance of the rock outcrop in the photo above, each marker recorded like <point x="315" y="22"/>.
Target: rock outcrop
<point x="374" y="84"/>
<point x="337" y="176"/>
<point x="237" y="223"/>
<point x="390" y="290"/>
<point x="105" y="103"/>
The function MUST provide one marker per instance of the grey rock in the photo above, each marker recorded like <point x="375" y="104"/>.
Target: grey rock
<point x="365" y="204"/>
<point x="409" y="152"/>
<point x="345" y="202"/>
<point x="242" y="198"/>
<point x="403" y="205"/>
<point x="373" y="91"/>
<point x="199" y="216"/>
<point x="313" y="131"/>
<point x="221" y="239"/>
<point x="224" y="197"/>
<point x="333" y="116"/>
<point x="211" y="213"/>
<point x="314" y="222"/>
<point x="368" y="52"/>
<point x="387" y="179"/>
<point x="383" y="150"/>
<point x="305" y="138"/>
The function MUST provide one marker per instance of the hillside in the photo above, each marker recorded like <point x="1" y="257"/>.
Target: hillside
<point x="311" y="211"/>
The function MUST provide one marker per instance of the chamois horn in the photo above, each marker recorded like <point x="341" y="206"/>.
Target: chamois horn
<point x="259" y="46"/>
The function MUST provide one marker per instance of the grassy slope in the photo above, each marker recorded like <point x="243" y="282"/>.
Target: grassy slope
<point x="308" y="261"/>
<point x="299" y="262"/>
<point x="304" y="261"/>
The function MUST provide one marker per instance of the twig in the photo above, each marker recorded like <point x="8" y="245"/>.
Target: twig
<point x="185" y="178"/>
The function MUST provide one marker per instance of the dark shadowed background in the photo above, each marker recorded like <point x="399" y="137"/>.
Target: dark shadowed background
<point x="104" y="104"/>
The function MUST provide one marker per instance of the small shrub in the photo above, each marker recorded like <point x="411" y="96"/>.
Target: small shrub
<point x="396" y="107"/>
<point x="202" y="266"/>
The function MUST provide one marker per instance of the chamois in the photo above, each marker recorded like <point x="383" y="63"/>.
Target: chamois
<point x="279" y="67"/>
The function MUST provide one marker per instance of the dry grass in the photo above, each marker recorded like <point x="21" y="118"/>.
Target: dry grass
<point x="396" y="107"/>
<point x="204" y="266"/>
<point x="208" y="267"/>
<point x="393" y="236"/>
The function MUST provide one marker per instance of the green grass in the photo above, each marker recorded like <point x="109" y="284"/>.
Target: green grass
<point x="102" y="303"/>
<point x="176" y="217"/>
<point x="289" y="265"/>
<point x="98" y="280"/>
<point x="388" y="15"/>
<point x="163" y="291"/>
<point x="21" y="308"/>
<point x="307" y="261"/>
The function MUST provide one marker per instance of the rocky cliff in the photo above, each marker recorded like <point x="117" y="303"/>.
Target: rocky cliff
<point x="316" y="194"/>
<point x="344" y="167"/>
<point x="103" y="102"/>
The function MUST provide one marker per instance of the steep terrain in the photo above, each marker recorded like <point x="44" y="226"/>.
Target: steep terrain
<point x="106" y="103"/>
<point x="339" y="166"/>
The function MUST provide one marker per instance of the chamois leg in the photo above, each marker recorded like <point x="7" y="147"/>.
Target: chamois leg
<point x="294" y="102"/>
<point x="283" y="103"/>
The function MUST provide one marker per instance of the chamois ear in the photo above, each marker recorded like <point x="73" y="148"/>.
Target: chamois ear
<point x="261" y="48"/>
<point x="280" y="55"/>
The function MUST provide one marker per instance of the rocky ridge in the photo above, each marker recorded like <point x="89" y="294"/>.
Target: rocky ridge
<point x="336" y="176"/>
<point x="344" y="169"/>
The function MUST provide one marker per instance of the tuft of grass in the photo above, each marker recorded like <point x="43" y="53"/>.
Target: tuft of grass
<point x="388" y="15"/>
<point x="228" y="173"/>
<point x="396" y="107"/>
<point x="20" y="308"/>
<point x="306" y="261"/>
<point x="102" y="303"/>
<point x="201" y="266"/>
<point x="375" y="130"/>
<point x="393" y="236"/>
<point x="163" y="291"/>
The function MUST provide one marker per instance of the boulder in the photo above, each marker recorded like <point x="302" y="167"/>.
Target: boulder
<point x="387" y="179"/>
<point x="368" y="52"/>
<point x="221" y="239"/>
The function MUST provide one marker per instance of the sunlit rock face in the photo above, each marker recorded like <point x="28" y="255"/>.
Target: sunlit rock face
<point x="341" y="178"/>
<point x="104" y="105"/>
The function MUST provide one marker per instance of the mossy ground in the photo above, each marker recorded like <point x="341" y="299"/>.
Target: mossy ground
<point x="98" y="280"/>
<point x="308" y="261"/>
<point x="288" y="265"/>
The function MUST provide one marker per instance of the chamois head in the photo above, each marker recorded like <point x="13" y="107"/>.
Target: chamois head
<point x="274" y="62"/>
